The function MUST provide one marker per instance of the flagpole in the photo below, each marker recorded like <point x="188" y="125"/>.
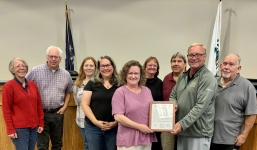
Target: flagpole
<point x="67" y="62"/>
<point x="70" y="52"/>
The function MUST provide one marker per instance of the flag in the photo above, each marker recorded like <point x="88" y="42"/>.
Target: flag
<point x="213" y="65"/>
<point x="70" y="52"/>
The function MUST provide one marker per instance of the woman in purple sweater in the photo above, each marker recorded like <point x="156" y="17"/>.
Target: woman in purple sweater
<point x="130" y="107"/>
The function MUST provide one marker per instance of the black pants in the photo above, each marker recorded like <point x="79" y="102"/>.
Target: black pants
<point x="223" y="147"/>
<point x="53" y="129"/>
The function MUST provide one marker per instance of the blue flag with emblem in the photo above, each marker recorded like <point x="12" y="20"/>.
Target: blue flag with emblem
<point x="213" y="64"/>
<point x="70" y="52"/>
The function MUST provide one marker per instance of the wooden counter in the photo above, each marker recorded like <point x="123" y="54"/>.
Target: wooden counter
<point x="72" y="139"/>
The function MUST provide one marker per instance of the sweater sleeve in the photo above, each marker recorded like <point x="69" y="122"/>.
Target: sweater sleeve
<point x="7" y="101"/>
<point x="173" y="94"/>
<point x="75" y="91"/>
<point x="40" y="109"/>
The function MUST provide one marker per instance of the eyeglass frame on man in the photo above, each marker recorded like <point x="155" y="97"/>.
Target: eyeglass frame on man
<point x="53" y="57"/>
<point x="195" y="55"/>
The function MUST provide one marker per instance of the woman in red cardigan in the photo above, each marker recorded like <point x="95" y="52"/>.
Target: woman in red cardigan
<point x="22" y="107"/>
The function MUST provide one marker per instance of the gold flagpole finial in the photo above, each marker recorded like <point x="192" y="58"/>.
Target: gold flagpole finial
<point x="67" y="11"/>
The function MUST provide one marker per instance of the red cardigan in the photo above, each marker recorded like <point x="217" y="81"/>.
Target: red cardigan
<point x="21" y="109"/>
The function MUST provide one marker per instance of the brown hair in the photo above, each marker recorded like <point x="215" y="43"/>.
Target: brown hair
<point x="155" y="59"/>
<point x="98" y="79"/>
<point x="125" y="69"/>
<point x="179" y="55"/>
<point x="82" y="74"/>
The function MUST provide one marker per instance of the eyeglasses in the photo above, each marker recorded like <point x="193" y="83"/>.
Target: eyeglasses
<point x="195" y="55"/>
<point x="20" y="66"/>
<point x="134" y="73"/>
<point x="53" y="57"/>
<point x="107" y="66"/>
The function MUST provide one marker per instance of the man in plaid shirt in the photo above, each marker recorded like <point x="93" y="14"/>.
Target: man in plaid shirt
<point x="55" y="85"/>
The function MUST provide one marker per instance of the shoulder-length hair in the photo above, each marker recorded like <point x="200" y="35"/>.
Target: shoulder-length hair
<point x="82" y="74"/>
<point x="157" y="62"/>
<point x="125" y="69"/>
<point x="98" y="79"/>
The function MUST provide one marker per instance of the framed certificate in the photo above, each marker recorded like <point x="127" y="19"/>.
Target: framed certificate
<point x="162" y="115"/>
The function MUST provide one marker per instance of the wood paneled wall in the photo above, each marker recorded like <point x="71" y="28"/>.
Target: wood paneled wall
<point x="72" y="139"/>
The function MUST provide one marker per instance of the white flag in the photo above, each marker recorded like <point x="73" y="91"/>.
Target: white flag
<point x="213" y="64"/>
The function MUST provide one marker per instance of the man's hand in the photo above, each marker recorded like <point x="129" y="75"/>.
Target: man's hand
<point x="177" y="128"/>
<point x="61" y="110"/>
<point x="240" y="140"/>
<point x="176" y="108"/>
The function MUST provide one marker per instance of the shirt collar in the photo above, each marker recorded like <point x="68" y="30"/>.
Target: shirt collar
<point x="195" y="74"/>
<point x="171" y="77"/>
<point x="234" y="82"/>
<point x="46" y="66"/>
<point x="26" y="81"/>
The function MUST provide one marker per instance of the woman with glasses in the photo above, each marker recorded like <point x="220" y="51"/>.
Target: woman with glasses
<point x="130" y="107"/>
<point x="100" y="126"/>
<point x="22" y="107"/>
<point x="86" y="72"/>
<point x="151" y="68"/>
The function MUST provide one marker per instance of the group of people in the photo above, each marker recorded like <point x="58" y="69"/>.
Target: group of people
<point x="113" y="108"/>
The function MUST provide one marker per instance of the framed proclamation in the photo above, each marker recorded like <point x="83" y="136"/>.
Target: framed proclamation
<point x="162" y="115"/>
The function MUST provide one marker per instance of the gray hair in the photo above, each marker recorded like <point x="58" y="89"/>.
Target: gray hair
<point x="54" y="47"/>
<point x="181" y="56"/>
<point x="11" y="64"/>
<point x="238" y="58"/>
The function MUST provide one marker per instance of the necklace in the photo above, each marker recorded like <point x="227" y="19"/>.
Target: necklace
<point x="107" y="86"/>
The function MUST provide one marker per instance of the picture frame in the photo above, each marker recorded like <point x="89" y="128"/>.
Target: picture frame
<point x="162" y="116"/>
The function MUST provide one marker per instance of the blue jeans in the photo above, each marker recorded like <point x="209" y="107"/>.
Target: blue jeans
<point x="82" y="131"/>
<point x="27" y="138"/>
<point x="100" y="140"/>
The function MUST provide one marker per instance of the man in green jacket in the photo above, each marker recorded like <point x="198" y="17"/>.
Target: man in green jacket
<point x="194" y="96"/>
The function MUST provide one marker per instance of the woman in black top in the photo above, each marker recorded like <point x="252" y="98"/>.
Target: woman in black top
<point x="100" y="126"/>
<point x="151" y="67"/>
